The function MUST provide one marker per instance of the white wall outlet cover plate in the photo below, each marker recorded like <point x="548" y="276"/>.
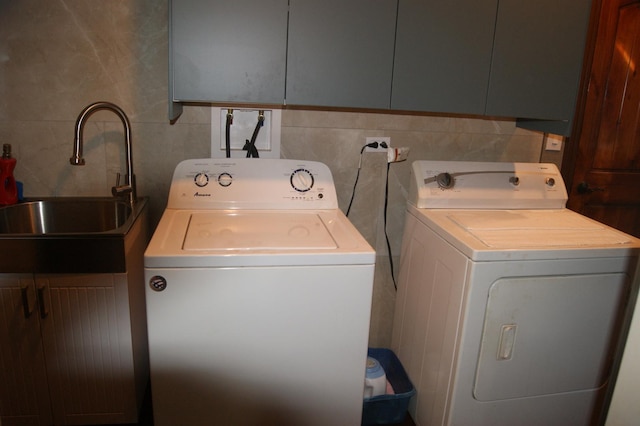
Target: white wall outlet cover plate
<point x="244" y="124"/>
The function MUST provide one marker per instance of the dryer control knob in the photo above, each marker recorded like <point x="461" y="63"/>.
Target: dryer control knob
<point x="550" y="182"/>
<point x="445" y="180"/>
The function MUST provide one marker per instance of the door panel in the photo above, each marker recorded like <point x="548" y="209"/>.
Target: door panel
<point x="604" y="165"/>
<point x="534" y="341"/>
<point x="24" y="395"/>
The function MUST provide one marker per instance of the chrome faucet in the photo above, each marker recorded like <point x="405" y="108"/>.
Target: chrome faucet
<point x="76" y="159"/>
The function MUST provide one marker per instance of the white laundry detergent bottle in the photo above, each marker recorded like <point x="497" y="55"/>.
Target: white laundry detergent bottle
<point x="375" y="381"/>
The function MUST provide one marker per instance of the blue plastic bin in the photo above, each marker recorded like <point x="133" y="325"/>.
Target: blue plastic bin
<point x="388" y="409"/>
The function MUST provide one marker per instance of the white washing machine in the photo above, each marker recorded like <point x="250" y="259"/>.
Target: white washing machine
<point x="510" y="308"/>
<point x="258" y="298"/>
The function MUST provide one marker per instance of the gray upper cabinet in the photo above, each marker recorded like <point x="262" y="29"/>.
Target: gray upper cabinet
<point x="228" y="51"/>
<point x="340" y="53"/>
<point x="504" y="58"/>
<point x="508" y="58"/>
<point x="443" y="55"/>
<point x="537" y="58"/>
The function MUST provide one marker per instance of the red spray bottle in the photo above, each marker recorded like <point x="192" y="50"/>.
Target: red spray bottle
<point x="8" y="188"/>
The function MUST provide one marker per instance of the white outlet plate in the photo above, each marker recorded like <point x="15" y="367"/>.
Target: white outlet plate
<point x="379" y="139"/>
<point x="554" y="143"/>
<point x="244" y="124"/>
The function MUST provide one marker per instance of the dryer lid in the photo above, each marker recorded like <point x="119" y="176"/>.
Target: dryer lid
<point x="509" y="229"/>
<point x="246" y="230"/>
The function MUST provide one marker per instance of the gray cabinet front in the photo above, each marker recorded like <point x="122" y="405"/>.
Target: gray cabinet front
<point x="443" y="55"/>
<point x="537" y="58"/>
<point x="228" y="51"/>
<point x="340" y="53"/>
<point x="504" y="58"/>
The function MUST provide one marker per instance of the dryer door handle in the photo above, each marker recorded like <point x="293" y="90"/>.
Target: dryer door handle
<point x="507" y="341"/>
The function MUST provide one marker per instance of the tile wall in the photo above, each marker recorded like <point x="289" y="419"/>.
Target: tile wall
<point x="57" y="56"/>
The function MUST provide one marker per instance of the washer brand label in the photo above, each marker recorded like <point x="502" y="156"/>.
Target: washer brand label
<point x="158" y="283"/>
<point x="198" y="194"/>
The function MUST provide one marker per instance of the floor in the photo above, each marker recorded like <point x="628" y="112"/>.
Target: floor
<point x="146" y="416"/>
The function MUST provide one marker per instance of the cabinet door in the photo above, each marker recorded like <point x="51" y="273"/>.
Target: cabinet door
<point x="537" y="58"/>
<point x="340" y="53"/>
<point x="24" y="395"/>
<point x="87" y="342"/>
<point x="228" y="51"/>
<point x="443" y="55"/>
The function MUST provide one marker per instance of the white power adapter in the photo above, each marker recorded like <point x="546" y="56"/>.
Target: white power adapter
<point x="395" y="155"/>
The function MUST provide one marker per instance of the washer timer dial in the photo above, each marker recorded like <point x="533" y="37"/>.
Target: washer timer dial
<point x="302" y="180"/>
<point x="201" y="179"/>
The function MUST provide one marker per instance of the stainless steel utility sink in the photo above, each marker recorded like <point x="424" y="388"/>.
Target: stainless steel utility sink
<point x="64" y="216"/>
<point x="67" y="234"/>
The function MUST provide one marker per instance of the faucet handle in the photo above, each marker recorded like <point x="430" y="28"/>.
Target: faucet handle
<point x="118" y="189"/>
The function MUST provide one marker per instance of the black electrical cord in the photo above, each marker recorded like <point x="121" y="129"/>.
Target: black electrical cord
<point x="369" y="145"/>
<point x="228" y="133"/>
<point x="386" y="203"/>
<point x="250" y="146"/>
<point x="353" y="192"/>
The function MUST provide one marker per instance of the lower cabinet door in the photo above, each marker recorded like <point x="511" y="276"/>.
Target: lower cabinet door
<point x="24" y="394"/>
<point x="88" y="349"/>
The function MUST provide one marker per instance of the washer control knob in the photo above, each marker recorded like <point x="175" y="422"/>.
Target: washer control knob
<point x="514" y="180"/>
<point x="225" y="179"/>
<point x="445" y="180"/>
<point x="551" y="182"/>
<point x="201" y="179"/>
<point x="301" y="180"/>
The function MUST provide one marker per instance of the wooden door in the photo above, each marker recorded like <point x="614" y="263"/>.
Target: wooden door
<point x="603" y="168"/>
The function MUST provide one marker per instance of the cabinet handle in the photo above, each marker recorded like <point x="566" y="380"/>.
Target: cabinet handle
<point x="41" y="302"/>
<point x="26" y="306"/>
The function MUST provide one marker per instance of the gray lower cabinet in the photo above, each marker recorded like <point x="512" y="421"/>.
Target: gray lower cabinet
<point x="340" y="53"/>
<point x="72" y="349"/>
<point x="24" y="390"/>
<point x="228" y="51"/>
<point x="443" y="55"/>
<point x="73" y="346"/>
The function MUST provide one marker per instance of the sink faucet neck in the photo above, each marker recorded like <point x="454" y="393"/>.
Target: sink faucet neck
<point x="76" y="159"/>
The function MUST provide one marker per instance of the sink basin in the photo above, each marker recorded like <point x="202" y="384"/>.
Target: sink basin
<point x="68" y="234"/>
<point x="64" y="216"/>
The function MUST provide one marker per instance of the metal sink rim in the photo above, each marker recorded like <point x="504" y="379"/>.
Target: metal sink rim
<point x="118" y="231"/>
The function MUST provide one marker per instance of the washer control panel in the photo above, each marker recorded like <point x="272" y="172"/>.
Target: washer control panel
<point x="248" y="183"/>
<point x="486" y="185"/>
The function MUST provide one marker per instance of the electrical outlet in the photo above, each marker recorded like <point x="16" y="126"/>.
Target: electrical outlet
<point x="379" y="139"/>
<point x="244" y="123"/>
<point x="554" y="143"/>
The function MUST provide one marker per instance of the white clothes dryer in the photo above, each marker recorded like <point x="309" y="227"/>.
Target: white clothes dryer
<point x="510" y="307"/>
<point x="258" y="298"/>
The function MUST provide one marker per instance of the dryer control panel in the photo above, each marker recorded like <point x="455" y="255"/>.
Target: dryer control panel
<point x="248" y="183"/>
<point x="486" y="185"/>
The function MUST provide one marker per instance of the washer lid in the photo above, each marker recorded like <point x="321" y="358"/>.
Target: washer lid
<point x="247" y="238"/>
<point x="245" y="230"/>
